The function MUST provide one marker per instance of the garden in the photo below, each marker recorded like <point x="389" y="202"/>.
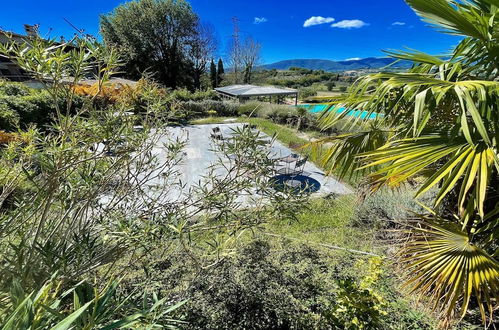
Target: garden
<point x="92" y="236"/>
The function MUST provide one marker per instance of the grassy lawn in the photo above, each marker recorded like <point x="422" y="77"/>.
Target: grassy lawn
<point x="327" y="223"/>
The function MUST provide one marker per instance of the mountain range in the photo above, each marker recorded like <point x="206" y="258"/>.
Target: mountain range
<point x="338" y="66"/>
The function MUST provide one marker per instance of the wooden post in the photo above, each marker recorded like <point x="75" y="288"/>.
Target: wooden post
<point x="296" y="99"/>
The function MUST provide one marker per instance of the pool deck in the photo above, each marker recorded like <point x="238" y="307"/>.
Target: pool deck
<point x="199" y="156"/>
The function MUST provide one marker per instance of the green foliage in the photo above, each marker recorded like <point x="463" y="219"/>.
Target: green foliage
<point x="266" y="284"/>
<point x="285" y="115"/>
<point x="9" y="119"/>
<point x="438" y="126"/>
<point x="184" y="95"/>
<point x="13" y="88"/>
<point x="21" y="106"/>
<point x="308" y="92"/>
<point x="138" y="28"/>
<point x="195" y="109"/>
<point x="261" y="289"/>
<point x="81" y="306"/>
<point x="35" y="108"/>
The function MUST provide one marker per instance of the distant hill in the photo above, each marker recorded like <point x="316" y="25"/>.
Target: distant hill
<point x="337" y="66"/>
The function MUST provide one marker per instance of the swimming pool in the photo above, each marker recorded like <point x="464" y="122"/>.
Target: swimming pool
<point x="317" y="108"/>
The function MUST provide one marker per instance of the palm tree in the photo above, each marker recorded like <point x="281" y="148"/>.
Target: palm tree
<point x="438" y="122"/>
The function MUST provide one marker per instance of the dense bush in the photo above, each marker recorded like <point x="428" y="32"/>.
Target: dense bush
<point x="287" y="115"/>
<point x="9" y="119"/>
<point x="250" y="108"/>
<point x="260" y="288"/>
<point x="35" y="108"/>
<point x="305" y="93"/>
<point x="193" y="109"/>
<point x="185" y="95"/>
<point x="13" y="89"/>
<point x="23" y="106"/>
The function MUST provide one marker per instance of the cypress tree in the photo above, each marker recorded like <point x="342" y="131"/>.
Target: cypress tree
<point x="220" y="72"/>
<point x="213" y="75"/>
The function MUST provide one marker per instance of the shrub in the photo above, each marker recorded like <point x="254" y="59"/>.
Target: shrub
<point x="193" y="109"/>
<point x="287" y="115"/>
<point x="185" y="95"/>
<point x="23" y="106"/>
<point x="305" y="93"/>
<point x="249" y="108"/>
<point x="260" y="287"/>
<point x="9" y="119"/>
<point x="13" y="88"/>
<point x="36" y="108"/>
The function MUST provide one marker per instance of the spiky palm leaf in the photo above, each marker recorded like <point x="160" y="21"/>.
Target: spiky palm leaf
<point x="442" y="263"/>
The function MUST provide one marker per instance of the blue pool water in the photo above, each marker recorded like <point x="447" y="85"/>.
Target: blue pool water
<point x="317" y="108"/>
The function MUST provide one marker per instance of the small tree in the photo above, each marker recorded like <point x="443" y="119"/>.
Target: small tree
<point x="213" y="75"/>
<point x="220" y="71"/>
<point x="250" y="55"/>
<point x="201" y="49"/>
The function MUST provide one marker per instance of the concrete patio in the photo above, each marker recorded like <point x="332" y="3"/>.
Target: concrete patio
<point x="199" y="156"/>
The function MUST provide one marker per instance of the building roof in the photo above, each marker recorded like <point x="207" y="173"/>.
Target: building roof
<point x="251" y="90"/>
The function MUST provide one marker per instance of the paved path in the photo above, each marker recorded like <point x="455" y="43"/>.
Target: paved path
<point x="198" y="156"/>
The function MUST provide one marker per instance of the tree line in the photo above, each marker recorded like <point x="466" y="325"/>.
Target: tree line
<point x="166" y="41"/>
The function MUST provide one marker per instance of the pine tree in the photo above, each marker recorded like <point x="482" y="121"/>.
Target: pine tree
<point x="213" y="75"/>
<point x="220" y="72"/>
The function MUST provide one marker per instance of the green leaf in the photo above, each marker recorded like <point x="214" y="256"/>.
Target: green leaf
<point x="68" y="321"/>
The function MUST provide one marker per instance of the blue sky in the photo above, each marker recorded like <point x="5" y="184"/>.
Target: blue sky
<point x="348" y="29"/>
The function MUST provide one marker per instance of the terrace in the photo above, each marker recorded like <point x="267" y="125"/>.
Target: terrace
<point x="200" y="155"/>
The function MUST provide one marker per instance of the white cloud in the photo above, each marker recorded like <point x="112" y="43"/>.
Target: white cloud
<point x="317" y="20"/>
<point x="398" y="23"/>
<point x="353" y="59"/>
<point x="259" y="20"/>
<point x="350" y="24"/>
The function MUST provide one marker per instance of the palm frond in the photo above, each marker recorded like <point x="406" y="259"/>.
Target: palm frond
<point x="445" y="14"/>
<point x="342" y="150"/>
<point x="443" y="263"/>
